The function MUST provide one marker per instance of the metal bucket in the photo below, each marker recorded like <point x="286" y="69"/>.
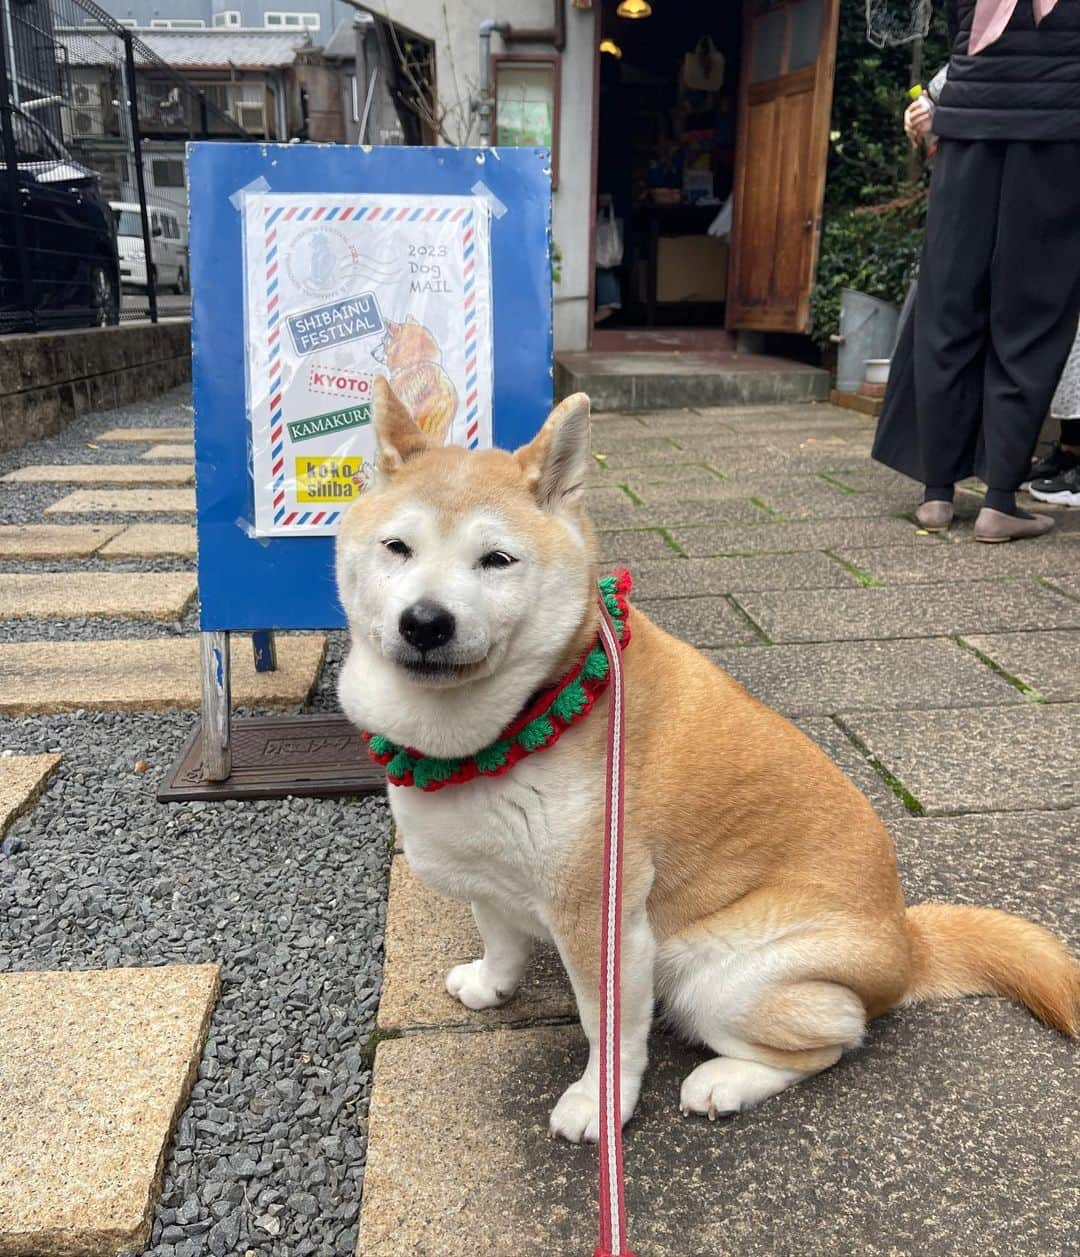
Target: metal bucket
<point x="867" y="330"/>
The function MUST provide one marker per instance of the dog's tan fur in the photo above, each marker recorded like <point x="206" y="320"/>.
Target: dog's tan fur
<point x="743" y="840"/>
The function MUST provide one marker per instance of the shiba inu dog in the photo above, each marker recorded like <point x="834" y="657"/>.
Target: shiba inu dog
<point x="761" y="908"/>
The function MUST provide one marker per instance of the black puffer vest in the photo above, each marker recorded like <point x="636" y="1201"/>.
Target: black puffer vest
<point x="1025" y="86"/>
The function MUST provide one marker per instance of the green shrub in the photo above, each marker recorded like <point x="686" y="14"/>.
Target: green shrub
<point x="871" y="249"/>
<point x="874" y="217"/>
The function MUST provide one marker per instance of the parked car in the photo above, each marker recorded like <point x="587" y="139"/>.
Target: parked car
<point x="70" y="238"/>
<point x="168" y="247"/>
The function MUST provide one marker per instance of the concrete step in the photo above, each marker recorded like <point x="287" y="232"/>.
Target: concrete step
<point x="638" y="380"/>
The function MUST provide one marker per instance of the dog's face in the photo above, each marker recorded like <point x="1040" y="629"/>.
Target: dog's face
<point x="465" y="577"/>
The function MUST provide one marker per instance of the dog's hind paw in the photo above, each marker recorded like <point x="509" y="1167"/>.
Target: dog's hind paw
<point x="723" y="1086"/>
<point x="470" y="984"/>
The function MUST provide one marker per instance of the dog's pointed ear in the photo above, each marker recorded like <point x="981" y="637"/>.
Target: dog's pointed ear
<point x="556" y="461"/>
<point x="397" y="435"/>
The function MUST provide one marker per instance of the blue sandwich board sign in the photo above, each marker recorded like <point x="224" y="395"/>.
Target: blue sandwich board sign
<point x="314" y="269"/>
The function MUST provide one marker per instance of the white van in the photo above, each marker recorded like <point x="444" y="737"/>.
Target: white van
<point x="168" y="245"/>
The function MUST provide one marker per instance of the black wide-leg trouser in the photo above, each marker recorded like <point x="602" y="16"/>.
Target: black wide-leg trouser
<point x="998" y="302"/>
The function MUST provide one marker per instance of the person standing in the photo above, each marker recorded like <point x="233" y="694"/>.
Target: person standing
<point x="999" y="283"/>
<point x="1056" y="478"/>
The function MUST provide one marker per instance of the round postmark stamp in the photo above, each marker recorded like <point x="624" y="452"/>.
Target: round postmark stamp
<point x="320" y="261"/>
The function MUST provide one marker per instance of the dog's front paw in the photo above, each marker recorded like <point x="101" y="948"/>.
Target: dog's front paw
<point x="576" y="1117"/>
<point x="470" y="984"/>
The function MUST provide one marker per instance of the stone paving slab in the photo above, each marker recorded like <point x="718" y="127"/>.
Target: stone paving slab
<point x="964" y="561"/>
<point x="125" y="502"/>
<point x="768" y="416"/>
<point x="73" y="595"/>
<point x="638" y="478"/>
<point x="820" y="679"/>
<point x="94" y="1070"/>
<point x="784" y="538"/>
<point x="54" y="541"/>
<point x="698" y="577"/>
<point x="42" y="678"/>
<point x="922" y="1142"/>
<point x="179" y="432"/>
<point x="22" y="779"/>
<point x="817" y="499"/>
<point x="611" y="508"/>
<point x="152" y="541"/>
<point x="732" y="510"/>
<point x="629" y="544"/>
<point x="1023" y="862"/>
<point x="426" y="935"/>
<point x="856" y="765"/>
<point x="179" y="453"/>
<point x="1048" y="662"/>
<point x="703" y="622"/>
<point x="997" y="759"/>
<point x="101" y="473"/>
<point x="926" y="611"/>
<point x="643" y="442"/>
<point x="612" y="423"/>
<point x="672" y="495"/>
<point x="1068" y="585"/>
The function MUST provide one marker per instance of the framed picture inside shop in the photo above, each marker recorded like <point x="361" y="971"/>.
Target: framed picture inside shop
<point x="527" y="103"/>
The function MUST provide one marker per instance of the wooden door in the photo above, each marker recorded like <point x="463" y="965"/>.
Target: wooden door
<point x="785" y="95"/>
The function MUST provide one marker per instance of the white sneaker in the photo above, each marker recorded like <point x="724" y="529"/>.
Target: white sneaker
<point x="1063" y="490"/>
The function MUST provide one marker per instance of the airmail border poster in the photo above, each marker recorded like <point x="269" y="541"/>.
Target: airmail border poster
<point x="340" y="289"/>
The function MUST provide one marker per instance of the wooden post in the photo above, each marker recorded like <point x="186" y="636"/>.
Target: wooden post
<point x="216" y="706"/>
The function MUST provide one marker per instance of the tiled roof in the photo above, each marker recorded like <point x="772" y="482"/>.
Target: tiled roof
<point x="190" y="50"/>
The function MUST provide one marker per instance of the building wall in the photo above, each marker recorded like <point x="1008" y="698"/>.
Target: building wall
<point x="453" y="28"/>
<point x="143" y="12"/>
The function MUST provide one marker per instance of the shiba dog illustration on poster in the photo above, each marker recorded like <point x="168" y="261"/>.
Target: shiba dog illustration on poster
<point x="413" y="358"/>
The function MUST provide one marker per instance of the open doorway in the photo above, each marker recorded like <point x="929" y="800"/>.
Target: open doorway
<point x="665" y="164"/>
<point x="712" y="141"/>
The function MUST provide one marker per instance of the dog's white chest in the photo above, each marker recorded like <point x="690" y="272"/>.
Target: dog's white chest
<point x="503" y="839"/>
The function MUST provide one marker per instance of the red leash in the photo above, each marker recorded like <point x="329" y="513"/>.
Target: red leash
<point x="612" y="1203"/>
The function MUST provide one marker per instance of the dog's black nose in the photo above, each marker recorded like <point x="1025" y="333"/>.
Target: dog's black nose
<point x="426" y="625"/>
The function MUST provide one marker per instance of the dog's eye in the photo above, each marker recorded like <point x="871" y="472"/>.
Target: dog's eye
<point x="497" y="558"/>
<point x="396" y="546"/>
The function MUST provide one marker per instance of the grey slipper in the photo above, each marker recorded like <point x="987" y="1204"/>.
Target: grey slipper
<point x="934" y="516"/>
<point x="994" y="525"/>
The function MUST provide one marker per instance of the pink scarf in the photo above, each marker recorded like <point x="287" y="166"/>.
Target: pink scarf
<point x="992" y="16"/>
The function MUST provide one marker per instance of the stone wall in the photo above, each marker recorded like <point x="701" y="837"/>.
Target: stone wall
<point x="47" y="378"/>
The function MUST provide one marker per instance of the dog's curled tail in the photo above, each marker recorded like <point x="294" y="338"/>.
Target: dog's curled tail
<point x="981" y="951"/>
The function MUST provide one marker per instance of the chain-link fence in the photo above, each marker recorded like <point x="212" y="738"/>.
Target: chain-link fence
<point x="93" y="200"/>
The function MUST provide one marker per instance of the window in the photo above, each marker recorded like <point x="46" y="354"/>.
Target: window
<point x="128" y="222"/>
<point x="292" y="21"/>
<point x="172" y="231"/>
<point x="177" y="24"/>
<point x="527" y="104"/>
<point x="167" y="173"/>
<point x="32" y="142"/>
<point x="230" y="17"/>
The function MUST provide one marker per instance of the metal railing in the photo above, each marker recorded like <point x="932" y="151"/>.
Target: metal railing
<point x="93" y="200"/>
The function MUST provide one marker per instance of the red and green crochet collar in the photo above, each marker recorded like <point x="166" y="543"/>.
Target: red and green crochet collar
<point x="539" y="727"/>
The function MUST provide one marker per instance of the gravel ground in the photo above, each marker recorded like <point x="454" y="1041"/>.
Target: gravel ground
<point x="288" y="896"/>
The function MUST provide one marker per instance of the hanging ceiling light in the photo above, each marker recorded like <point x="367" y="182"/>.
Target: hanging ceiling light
<point x="606" y="45"/>
<point x="634" y="8"/>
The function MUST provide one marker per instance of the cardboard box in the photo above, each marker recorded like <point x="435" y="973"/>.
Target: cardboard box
<point x="691" y="268"/>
